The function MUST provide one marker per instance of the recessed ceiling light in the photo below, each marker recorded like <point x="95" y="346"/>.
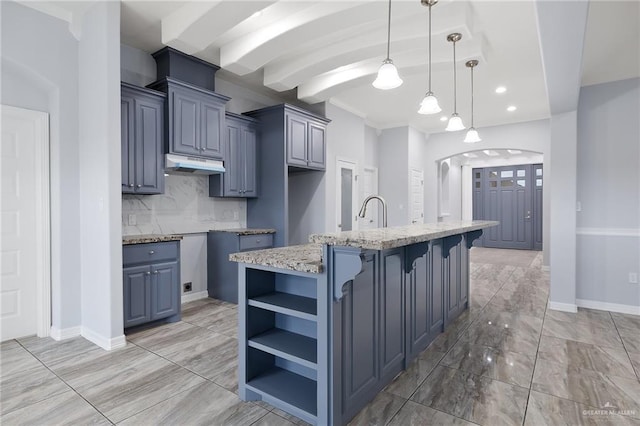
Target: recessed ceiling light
<point x="501" y="89"/>
<point x="470" y="155"/>
<point x="514" y="151"/>
<point x="512" y="108"/>
<point x="444" y="118"/>
<point x="491" y="153"/>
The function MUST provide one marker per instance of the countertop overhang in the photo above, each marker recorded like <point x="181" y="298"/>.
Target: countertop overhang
<point x="398" y="236"/>
<point x="302" y="258"/>
<point x="149" y="238"/>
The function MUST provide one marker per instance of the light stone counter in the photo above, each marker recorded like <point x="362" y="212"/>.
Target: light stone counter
<point x="246" y="231"/>
<point x="303" y="258"/>
<point x="151" y="238"/>
<point x="398" y="236"/>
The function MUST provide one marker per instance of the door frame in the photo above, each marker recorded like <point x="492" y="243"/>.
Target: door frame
<point x="410" y="209"/>
<point x="346" y="163"/>
<point x="42" y="212"/>
<point x="374" y="172"/>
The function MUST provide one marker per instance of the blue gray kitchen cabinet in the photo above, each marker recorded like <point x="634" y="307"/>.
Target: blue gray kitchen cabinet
<point x="305" y="141"/>
<point x="195" y="119"/>
<point x="151" y="282"/>
<point x="239" y="178"/>
<point x="222" y="275"/>
<point x="142" y="140"/>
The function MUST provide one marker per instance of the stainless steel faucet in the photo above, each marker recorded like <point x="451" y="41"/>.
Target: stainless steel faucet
<point x="363" y="209"/>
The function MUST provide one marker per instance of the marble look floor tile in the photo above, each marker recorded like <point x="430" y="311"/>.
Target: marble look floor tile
<point x="225" y="322"/>
<point x="630" y="338"/>
<point x="293" y="419"/>
<point x="123" y="382"/>
<point x="408" y="381"/>
<point x="581" y="333"/>
<point x="413" y="413"/>
<point x="509" y="367"/>
<point x="483" y="284"/>
<point x="271" y="419"/>
<point x="379" y="411"/>
<point x="17" y="359"/>
<point x="627" y="321"/>
<point x="549" y="410"/>
<point x="587" y="317"/>
<point x="474" y="398"/>
<point x="204" y="404"/>
<point x="49" y="351"/>
<point x="479" y="297"/>
<point x="499" y="273"/>
<point x="587" y="387"/>
<point x="526" y="290"/>
<point x="635" y="361"/>
<point x="586" y="356"/>
<point x="67" y="408"/>
<point x="157" y="337"/>
<point x="511" y="300"/>
<point x="198" y="314"/>
<point x="25" y="388"/>
<point x="9" y="344"/>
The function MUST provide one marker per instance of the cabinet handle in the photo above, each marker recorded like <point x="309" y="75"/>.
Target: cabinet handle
<point x="257" y="241"/>
<point x="139" y="186"/>
<point x="151" y="252"/>
<point x="131" y="185"/>
<point x="155" y="272"/>
<point x="148" y="273"/>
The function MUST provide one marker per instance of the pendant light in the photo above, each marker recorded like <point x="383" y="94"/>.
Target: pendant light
<point x="429" y="104"/>
<point x="388" y="77"/>
<point x="472" y="134"/>
<point x="455" y="122"/>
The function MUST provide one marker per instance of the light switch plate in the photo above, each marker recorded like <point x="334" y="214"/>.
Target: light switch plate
<point x="633" y="278"/>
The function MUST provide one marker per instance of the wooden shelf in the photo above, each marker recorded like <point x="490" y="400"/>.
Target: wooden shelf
<point x="285" y="344"/>
<point x="289" y="304"/>
<point x="290" y="388"/>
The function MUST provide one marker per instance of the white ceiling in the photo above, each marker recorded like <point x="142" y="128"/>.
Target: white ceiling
<point x="329" y="50"/>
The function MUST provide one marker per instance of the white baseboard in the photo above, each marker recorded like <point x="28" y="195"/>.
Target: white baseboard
<point x="105" y="343"/>
<point x="604" y="306"/>
<point x="564" y="307"/>
<point x="194" y="296"/>
<point x="65" y="333"/>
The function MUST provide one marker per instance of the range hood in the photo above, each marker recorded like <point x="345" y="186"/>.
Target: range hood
<point x="194" y="165"/>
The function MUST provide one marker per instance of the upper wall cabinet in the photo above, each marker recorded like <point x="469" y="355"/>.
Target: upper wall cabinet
<point x="240" y="151"/>
<point x="142" y="140"/>
<point x="196" y="119"/>
<point x="306" y="136"/>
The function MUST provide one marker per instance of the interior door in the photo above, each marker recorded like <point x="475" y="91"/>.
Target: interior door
<point x="417" y="196"/>
<point x="369" y="187"/>
<point x="347" y="195"/>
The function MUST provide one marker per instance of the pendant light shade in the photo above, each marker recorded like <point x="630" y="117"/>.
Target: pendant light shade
<point x="429" y="104"/>
<point x="388" y="77"/>
<point x="455" y="122"/>
<point x="472" y="134"/>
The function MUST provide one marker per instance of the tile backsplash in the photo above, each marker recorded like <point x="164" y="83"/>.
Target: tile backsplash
<point x="184" y="208"/>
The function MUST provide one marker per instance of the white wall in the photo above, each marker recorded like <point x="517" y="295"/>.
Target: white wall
<point x="393" y="175"/>
<point x="40" y="72"/>
<point x="608" y="189"/>
<point x="99" y="163"/>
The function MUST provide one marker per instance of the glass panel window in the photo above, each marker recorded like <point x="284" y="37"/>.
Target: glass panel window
<point x="538" y="172"/>
<point x="494" y="184"/>
<point x="521" y="183"/>
<point x="506" y="174"/>
<point x="477" y="175"/>
<point x="521" y="173"/>
<point x="506" y="183"/>
<point x="477" y="185"/>
<point x="538" y="182"/>
<point x="493" y="174"/>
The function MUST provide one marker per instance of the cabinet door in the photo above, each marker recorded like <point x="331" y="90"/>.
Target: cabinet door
<point x="233" y="168"/>
<point x="464" y="275"/>
<point x="185" y="135"/>
<point x="212" y="133"/>
<point x="452" y="284"/>
<point x="436" y="290"/>
<point x="316" y="153"/>
<point x="296" y="141"/>
<point x="392" y="314"/>
<point x="250" y="185"/>
<point x="137" y="282"/>
<point x="418" y="305"/>
<point x="165" y="290"/>
<point x="127" y="134"/>
<point x="149" y="168"/>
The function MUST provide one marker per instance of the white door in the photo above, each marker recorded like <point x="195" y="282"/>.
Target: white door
<point x="346" y="195"/>
<point x="417" y="196"/>
<point x="370" y="187"/>
<point x="24" y="263"/>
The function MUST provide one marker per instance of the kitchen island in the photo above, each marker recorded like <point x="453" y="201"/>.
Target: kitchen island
<point x="324" y="327"/>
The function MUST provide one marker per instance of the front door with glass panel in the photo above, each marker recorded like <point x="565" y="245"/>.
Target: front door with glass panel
<point x="511" y="195"/>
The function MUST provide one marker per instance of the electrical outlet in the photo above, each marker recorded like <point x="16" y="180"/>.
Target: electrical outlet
<point x="633" y="278"/>
<point x="186" y="287"/>
<point x="132" y="219"/>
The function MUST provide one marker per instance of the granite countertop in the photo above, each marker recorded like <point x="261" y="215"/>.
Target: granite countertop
<point x="398" y="236"/>
<point x="302" y="258"/>
<point x="246" y="231"/>
<point x="150" y="238"/>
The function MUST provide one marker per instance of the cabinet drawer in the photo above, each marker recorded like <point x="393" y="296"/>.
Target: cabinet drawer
<point x="149" y="253"/>
<point x="253" y="242"/>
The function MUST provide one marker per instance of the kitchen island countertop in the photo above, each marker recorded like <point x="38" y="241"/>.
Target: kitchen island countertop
<point x="302" y="258"/>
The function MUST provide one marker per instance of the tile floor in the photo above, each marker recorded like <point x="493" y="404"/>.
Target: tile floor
<point x="506" y="360"/>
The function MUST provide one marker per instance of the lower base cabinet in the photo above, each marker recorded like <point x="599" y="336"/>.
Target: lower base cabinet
<point x="151" y="280"/>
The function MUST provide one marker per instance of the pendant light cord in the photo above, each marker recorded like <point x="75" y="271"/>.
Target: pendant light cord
<point x="472" y="97"/>
<point x="429" y="68"/>
<point x="455" y="101"/>
<point x="389" y="31"/>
